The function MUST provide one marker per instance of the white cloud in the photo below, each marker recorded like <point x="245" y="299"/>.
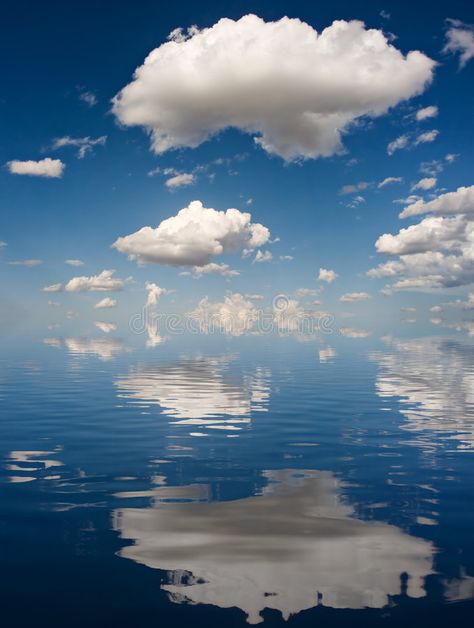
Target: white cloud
<point x="425" y="184"/>
<point x="154" y="293"/>
<point x="463" y="305"/>
<point x="351" y="297"/>
<point x="459" y="202"/>
<point x="88" y="97"/>
<point x="294" y="89"/>
<point x="180" y="180"/>
<point x="351" y="189"/>
<point x="286" y="258"/>
<point x="426" y="112"/>
<point x="234" y="316"/>
<point x="460" y="39"/>
<point x="217" y="269"/>
<point x="83" y="144"/>
<point x="263" y="256"/>
<point x="397" y="144"/>
<point x="301" y="293"/>
<point x="105" y="327"/>
<point x="107" y="302"/>
<point x="55" y="287"/>
<point x="49" y="168"/>
<point x="74" y="262"/>
<point x="327" y="275"/>
<point x="103" y="282"/>
<point x="427" y="136"/>
<point x="389" y="180"/>
<point x="408" y="141"/>
<point x="353" y="332"/>
<point x="29" y="263"/>
<point x="193" y="237"/>
<point x="436" y="309"/>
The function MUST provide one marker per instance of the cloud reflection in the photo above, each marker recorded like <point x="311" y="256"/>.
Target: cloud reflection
<point x="199" y="392"/>
<point x="433" y="379"/>
<point x="291" y="548"/>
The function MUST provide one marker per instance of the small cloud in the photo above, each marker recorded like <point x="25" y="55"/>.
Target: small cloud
<point x="263" y="256"/>
<point x="107" y="302"/>
<point x="389" y="181"/>
<point x="74" y="262"/>
<point x="180" y="180"/>
<point x="398" y="144"/>
<point x="29" y="263"/>
<point x="286" y="258"/>
<point x="424" y="184"/>
<point x="54" y="304"/>
<point x="83" y="144"/>
<point x="427" y="136"/>
<point x="327" y="275"/>
<point x="385" y="14"/>
<point x="352" y="332"/>
<point x="2" y="244"/>
<point x="55" y="287"/>
<point x="48" y="168"/>
<point x="426" y="112"/>
<point x="105" y="327"/>
<point x="351" y="189"/>
<point x="460" y="40"/>
<point x="88" y="97"/>
<point x="216" y="269"/>
<point x="103" y="282"/>
<point x="352" y="297"/>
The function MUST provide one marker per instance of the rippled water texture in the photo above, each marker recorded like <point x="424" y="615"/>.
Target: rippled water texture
<point x="237" y="481"/>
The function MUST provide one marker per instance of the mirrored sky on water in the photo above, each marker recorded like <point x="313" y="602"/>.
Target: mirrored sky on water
<point x="236" y="481"/>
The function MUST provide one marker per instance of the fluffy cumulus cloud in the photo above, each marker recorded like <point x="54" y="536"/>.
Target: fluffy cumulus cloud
<point x="48" y="168"/>
<point x="105" y="303"/>
<point x="263" y="256"/>
<point x="193" y="237"/>
<point x="103" y="282"/>
<point x="459" y="202"/>
<point x="436" y="252"/>
<point x="154" y="293"/>
<point x="460" y="40"/>
<point x="235" y="316"/>
<point x="351" y="297"/>
<point x="294" y="89"/>
<point x="327" y="275"/>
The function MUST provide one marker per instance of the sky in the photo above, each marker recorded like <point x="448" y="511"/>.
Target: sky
<point x="207" y="157"/>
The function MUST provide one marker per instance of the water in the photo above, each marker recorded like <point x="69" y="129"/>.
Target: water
<point x="227" y="482"/>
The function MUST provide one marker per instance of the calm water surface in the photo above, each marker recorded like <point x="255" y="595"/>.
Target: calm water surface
<point x="228" y="482"/>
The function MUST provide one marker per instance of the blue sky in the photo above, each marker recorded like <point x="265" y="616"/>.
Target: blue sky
<point x="65" y="64"/>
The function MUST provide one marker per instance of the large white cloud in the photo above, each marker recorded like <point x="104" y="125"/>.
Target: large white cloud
<point x="48" y="168"/>
<point x="294" y="88"/>
<point x="193" y="237"/>
<point x="436" y="252"/>
<point x="459" y="202"/>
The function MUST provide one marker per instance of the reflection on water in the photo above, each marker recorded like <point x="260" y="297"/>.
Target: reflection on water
<point x="28" y="466"/>
<point x="200" y="392"/>
<point x="103" y="348"/>
<point x="382" y="527"/>
<point x="293" y="547"/>
<point x="434" y="379"/>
